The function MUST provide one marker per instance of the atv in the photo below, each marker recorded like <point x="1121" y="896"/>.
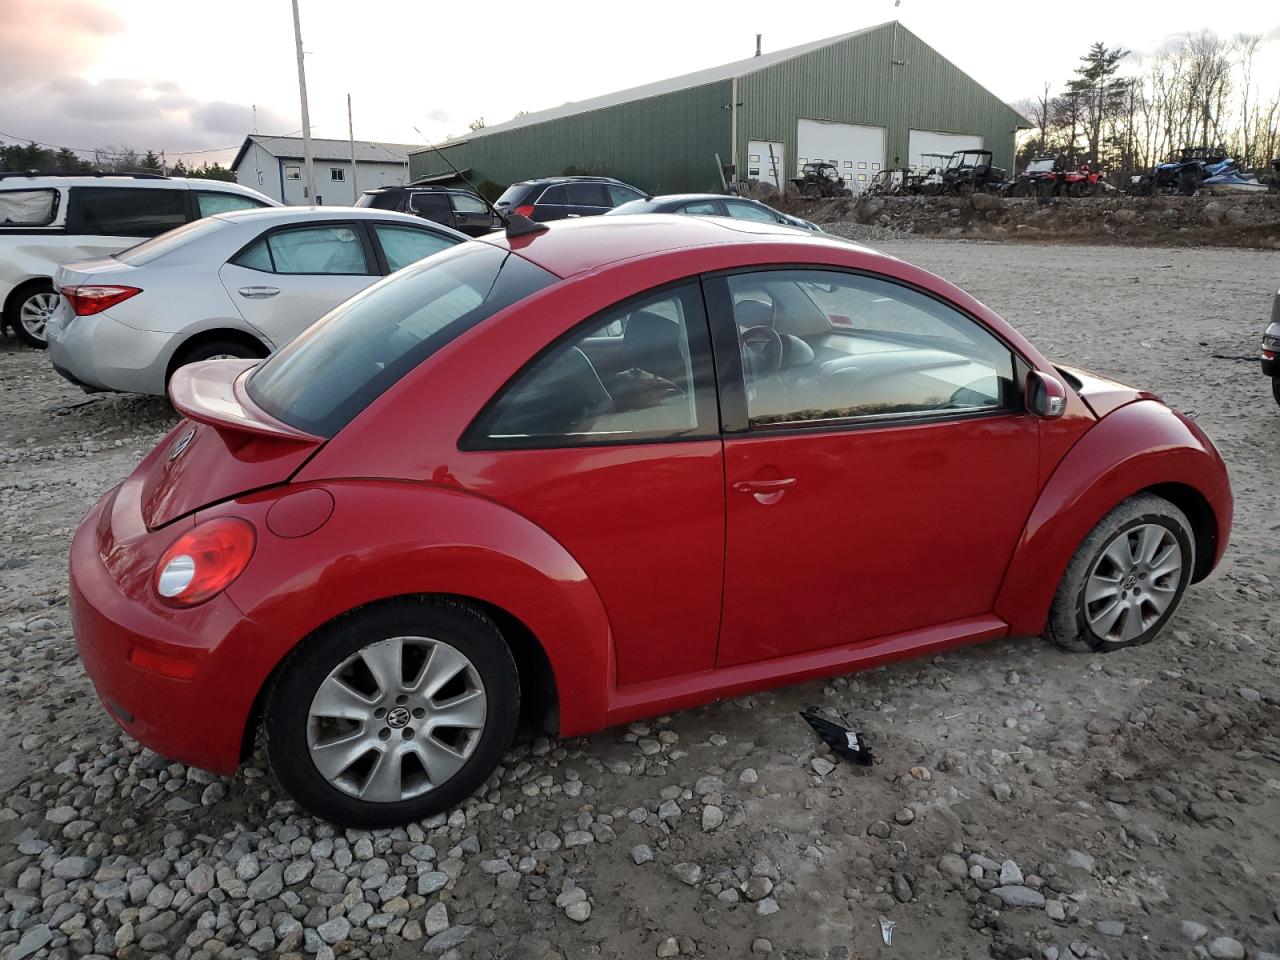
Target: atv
<point x="1182" y="173"/>
<point x="1048" y="175"/>
<point x="820" y="179"/>
<point x="970" y="171"/>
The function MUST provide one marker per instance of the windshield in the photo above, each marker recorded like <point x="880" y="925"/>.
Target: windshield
<point x="348" y="358"/>
<point x="1040" y="166"/>
<point x="148" y="250"/>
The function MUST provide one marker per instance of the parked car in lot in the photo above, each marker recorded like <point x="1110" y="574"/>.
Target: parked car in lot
<point x="234" y="285"/>
<point x="453" y="207"/>
<point x="604" y="471"/>
<point x="714" y="205"/>
<point x="47" y="220"/>
<point x="1271" y="349"/>
<point x="555" y="198"/>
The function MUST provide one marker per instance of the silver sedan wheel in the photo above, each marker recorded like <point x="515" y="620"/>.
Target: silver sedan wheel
<point x="396" y="719"/>
<point x="1133" y="582"/>
<point x="35" y="312"/>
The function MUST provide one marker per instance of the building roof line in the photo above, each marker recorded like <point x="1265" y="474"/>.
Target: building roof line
<point x="698" y="78"/>
<point x="324" y="148"/>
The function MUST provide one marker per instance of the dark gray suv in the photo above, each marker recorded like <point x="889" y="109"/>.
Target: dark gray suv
<point x="451" y="206"/>
<point x="554" y="198"/>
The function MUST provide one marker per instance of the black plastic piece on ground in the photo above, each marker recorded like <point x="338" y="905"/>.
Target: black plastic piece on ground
<point x="844" y="741"/>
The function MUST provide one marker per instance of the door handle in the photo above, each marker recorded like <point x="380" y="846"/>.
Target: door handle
<point x="258" y="293"/>
<point x="764" y="486"/>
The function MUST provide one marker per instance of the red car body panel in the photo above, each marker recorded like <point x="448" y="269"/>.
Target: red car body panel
<point x="1141" y="445"/>
<point x="648" y="579"/>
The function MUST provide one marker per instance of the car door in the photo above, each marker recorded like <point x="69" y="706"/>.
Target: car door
<point x="432" y="206"/>
<point x="586" y="199"/>
<point x="289" y="277"/>
<point x="552" y="204"/>
<point x="470" y="214"/>
<point x="399" y="245"/>
<point x="879" y="464"/>
<point x="609" y="441"/>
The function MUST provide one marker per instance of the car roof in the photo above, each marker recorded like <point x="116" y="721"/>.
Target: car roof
<point x="272" y="216"/>
<point x="391" y="187"/>
<point x="122" y="180"/>
<point x="590" y="179"/>
<point x="569" y="247"/>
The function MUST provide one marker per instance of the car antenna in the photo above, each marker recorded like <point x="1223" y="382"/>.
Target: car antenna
<point x="458" y="173"/>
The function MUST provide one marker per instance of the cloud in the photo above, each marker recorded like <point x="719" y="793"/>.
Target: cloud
<point x="45" y="43"/>
<point x="439" y="116"/>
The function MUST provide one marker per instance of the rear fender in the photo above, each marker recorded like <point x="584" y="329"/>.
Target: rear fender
<point x="387" y="539"/>
<point x="1141" y="446"/>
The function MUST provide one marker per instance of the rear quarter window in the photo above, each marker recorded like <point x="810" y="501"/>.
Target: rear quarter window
<point x="28" y="208"/>
<point x="126" y="211"/>
<point x="322" y="379"/>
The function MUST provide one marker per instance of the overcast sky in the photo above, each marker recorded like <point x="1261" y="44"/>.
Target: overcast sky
<point x="90" y="73"/>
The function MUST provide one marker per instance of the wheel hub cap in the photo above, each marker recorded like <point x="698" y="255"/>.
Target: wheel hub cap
<point x="396" y="719"/>
<point x="1133" y="582"/>
<point x="35" y="313"/>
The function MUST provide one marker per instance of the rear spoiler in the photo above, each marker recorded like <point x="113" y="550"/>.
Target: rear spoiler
<point x="213" y="392"/>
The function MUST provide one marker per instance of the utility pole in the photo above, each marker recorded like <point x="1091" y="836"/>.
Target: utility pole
<point x="351" y="136"/>
<point x="307" y="160"/>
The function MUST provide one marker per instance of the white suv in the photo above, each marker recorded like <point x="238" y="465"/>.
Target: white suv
<point x="46" y="220"/>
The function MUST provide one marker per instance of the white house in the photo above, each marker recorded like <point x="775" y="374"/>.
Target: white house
<point x="273" y="165"/>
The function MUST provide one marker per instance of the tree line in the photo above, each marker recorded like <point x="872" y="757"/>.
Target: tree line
<point x="1128" y="112"/>
<point x="32" y="156"/>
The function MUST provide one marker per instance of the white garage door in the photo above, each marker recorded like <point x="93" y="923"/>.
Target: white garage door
<point x="765" y="161"/>
<point x="930" y="141"/>
<point x="856" y="151"/>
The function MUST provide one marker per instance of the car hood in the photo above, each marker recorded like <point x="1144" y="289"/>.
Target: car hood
<point x="223" y="448"/>
<point x="1102" y="394"/>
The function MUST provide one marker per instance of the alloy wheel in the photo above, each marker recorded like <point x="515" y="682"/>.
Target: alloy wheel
<point x="1133" y="582"/>
<point x="35" y="312"/>
<point x="396" y="719"/>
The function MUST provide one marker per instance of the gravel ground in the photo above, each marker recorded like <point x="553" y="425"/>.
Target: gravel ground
<point x="1026" y="802"/>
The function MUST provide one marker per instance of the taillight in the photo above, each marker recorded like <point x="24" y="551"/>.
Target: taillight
<point x="88" y="299"/>
<point x="204" y="561"/>
<point x="525" y="209"/>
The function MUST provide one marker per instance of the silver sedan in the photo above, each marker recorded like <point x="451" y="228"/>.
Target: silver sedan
<point x="239" y="284"/>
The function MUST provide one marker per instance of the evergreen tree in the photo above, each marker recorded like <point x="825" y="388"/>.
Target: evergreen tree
<point x="66" y="161"/>
<point x="1097" y="93"/>
<point x="214" y="171"/>
<point x="179" y="169"/>
<point x="151" y="162"/>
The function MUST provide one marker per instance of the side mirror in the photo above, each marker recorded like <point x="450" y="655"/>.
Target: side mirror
<point x="1046" y="397"/>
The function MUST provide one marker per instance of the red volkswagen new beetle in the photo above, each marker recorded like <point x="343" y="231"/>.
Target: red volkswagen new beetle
<point x="606" y="470"/>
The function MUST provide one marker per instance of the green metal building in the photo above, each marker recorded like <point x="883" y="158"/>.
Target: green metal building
<point x="875" y="98"/>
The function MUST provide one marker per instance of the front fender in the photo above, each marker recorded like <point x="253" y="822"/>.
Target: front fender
<point x="387" y="539"/>
<point x="1139" y="446"/>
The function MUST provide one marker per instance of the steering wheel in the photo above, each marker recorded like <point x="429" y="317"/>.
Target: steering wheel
<point x="762" y="349"/>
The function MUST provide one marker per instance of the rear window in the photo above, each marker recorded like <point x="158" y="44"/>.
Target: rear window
<point x="322" y="379"/>
<point x="28" y="208"/>
<point x="379" y="201"/>
<point x="126" y="211"/>
<point x="149" y="250"/>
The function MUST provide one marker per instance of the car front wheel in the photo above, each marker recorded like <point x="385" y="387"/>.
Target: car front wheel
<point x="392" y="713"/>
<point x="1126" y="579"/>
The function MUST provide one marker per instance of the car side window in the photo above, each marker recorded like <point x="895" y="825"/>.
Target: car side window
<point x="433" y="206"/>
<point x="553" y="195"/>
<point x="706" y="208"/>
<point x="586" y="195"/>
<point x="125" y="211"/>
<point x="749" y="211"/>
<point x="405" y="245"/>
<point x="640" y="371"/>
<point x="28" y="208"/>
<point x="331" y="249"/>
<point x="618" y="194"/>
<point x="820" y="346"/>
<point x="465" y="203"/>
<point x="209" y="202"/>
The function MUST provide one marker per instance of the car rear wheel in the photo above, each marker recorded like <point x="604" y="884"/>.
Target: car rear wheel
<point x="1126" y="579"/>
<point x="223" y="348"/>
<point x="1275" y="388"/>
<point x="392" y="713"/>
<point x="31" y="311"/>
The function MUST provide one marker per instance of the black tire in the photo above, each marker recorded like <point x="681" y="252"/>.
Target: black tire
<point x="29" y="295"/>
<point x="1068" y="625"/>
<point x="1275" y="388"/>
<point x="286" y="714"/>
<point x="209" y="349"/>
<point x="1078" y="189"/>
<point x="1188" y="183"/>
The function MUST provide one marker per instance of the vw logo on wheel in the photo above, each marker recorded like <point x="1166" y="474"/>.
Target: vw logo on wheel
<point x="398" y="717"/>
